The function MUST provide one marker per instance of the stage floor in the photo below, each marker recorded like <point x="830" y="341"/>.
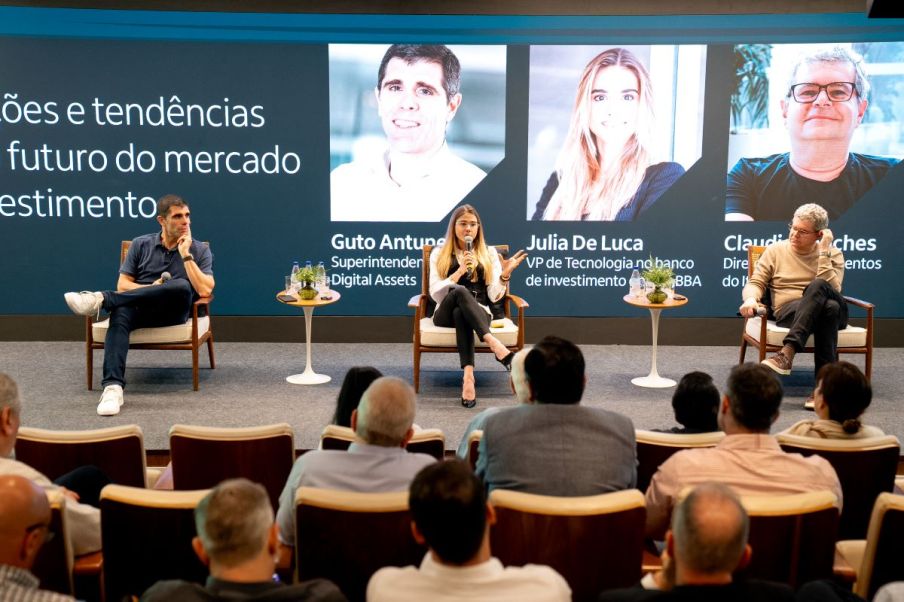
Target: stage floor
<point x="248" y="386"/>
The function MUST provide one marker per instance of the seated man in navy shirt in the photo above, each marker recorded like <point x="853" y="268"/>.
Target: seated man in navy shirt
<point x="143" y="298"/>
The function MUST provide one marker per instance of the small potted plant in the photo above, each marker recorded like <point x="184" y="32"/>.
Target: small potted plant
<point x="660" y="276"/>
<point x="307" y="276"/>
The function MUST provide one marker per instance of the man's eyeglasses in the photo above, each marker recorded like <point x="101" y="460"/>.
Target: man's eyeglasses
<point x="835" y="91"/>
<point x="801" y="231"/>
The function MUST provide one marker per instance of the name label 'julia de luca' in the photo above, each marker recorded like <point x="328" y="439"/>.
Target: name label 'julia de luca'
<point x="554" y="242"/>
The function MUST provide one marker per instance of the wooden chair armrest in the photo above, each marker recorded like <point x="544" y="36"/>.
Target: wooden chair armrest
<point x="859" y="303"/>
<point x="416" y="300"/>
<point x="88" y="564"/>
<point x="204" y="300"/>
<point x="518" y="301"/>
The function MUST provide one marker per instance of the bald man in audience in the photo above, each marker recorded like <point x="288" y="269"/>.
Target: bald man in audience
<point x="451" y="516"/>
<point x="378" y="462"/>
<point x="748" y="459"/>
<point x="238" y="540"/>
<point x="24" y="520"/>
<point x="518" y="381"/>
<point x="83" y="520"/>
<point x="706" y="545"/>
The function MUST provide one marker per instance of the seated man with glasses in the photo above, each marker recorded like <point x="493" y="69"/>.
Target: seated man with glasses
<point x="803" y="275"/>
<point x="825" y="103"/>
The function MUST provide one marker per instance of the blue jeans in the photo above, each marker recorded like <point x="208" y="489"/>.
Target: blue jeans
<point x="146" y="307"/>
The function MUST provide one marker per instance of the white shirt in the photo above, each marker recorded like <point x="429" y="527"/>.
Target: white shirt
<point x="488" y="581"/>
<point x="363" y="191"/>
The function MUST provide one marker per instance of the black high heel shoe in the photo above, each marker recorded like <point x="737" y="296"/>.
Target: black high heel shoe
<point x="507" y="361"/>
<point x="468" y="403"/>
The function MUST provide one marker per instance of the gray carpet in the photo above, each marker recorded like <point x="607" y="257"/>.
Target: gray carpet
<point x="248" y="386"/>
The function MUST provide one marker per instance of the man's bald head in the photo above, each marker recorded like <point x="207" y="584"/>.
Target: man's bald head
<point x="24" y="516"/>
<point x="386" y="412"/>
<point x="710" y="529"/>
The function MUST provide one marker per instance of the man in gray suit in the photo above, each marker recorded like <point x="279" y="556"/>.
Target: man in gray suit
<point x="557" y="446"/>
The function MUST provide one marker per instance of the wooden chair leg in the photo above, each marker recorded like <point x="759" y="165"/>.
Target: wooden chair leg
<point x="868" y="365"/>
<point x="213" y="364"/>
<point x="743" y="351"/>
<point x="417" y="370"/>
<point x="194" y="366"/>
<point x="89" y="354"/>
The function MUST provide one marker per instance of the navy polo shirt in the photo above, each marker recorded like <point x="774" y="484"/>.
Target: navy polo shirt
<point x="147" y="259"/>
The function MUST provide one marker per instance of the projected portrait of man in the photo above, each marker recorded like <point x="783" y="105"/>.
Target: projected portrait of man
<point x="417" y="178"/>
<point x="825" y="102"/>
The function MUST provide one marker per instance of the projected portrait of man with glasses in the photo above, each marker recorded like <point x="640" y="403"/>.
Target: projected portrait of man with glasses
<point x="824" y="103"/>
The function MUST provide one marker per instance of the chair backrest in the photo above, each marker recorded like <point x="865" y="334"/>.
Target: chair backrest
<point x="655" y="448"/>
<point x="595" y="542"/>
<point x="118" y="451"/>
<point x="754" y="252"/>
<point x="473" y="447"/>
<point x="346" y="537"/>
<point x="204" y="456"/>
<point x="147" y="537"/>
<point x="865" y="468"/>
<point x="425" y="441"/>
<point x="884" y="546"/>
<point x="792" y="536"/>
<point x="53" y="564"/>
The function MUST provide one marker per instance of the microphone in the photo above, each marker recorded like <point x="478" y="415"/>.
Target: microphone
<point x="469" y="243"/>
<point x="165" y="276"/>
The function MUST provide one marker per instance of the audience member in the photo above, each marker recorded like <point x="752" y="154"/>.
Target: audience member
<point x="451" y="516"/>
<point x="356" y="381"/>
<point x="518" y="382"/>
<point x="748" y="459"/>
<point x="238" y="540"/>
<point x="383" y="421"/>
<point x="83" y="520"/>
<point x="556" y="446"/>
<point x="707" y="544"/>
<point x="696" y="405"/>
<point x="24" y="523"/>
<point x="890" y="592"/>
<point x="842" y="394"/>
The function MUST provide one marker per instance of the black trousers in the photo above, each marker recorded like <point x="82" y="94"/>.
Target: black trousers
<point x="86" y="481"/>
<point x="460" y="309"/>
<point x="822" y="312"/>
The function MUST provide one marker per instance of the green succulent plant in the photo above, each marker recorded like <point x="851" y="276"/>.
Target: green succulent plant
<point x="659" y="274"/>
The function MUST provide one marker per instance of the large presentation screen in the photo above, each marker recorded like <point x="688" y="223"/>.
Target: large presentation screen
<point x="596" y="144"/>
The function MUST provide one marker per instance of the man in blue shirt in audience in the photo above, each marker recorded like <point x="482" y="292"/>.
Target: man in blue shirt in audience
<point x="378" y="463"/>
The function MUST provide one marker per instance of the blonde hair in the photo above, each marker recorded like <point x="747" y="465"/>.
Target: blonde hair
<point x="478" y="247"/>
<point x="585" y="189"/>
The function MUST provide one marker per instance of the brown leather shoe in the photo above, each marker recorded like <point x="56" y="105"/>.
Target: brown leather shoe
<point x="778" y="363"/>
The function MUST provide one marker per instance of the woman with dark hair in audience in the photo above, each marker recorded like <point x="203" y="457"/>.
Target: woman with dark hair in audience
<point x="696" y="405"/>
<point x="842" y="394"/>
<point x="357" y="379"/>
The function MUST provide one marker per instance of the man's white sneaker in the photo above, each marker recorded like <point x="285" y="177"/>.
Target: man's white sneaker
<point x="85" y="303"/>
<point x="110" y="401"/>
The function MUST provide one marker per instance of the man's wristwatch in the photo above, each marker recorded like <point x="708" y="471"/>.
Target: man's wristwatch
<point x="188" y="257"/>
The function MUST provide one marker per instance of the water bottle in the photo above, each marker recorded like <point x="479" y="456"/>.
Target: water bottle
<point x="635" y="284"/>
<point x="320" y="277"/>
<point x="295" y="269"/>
